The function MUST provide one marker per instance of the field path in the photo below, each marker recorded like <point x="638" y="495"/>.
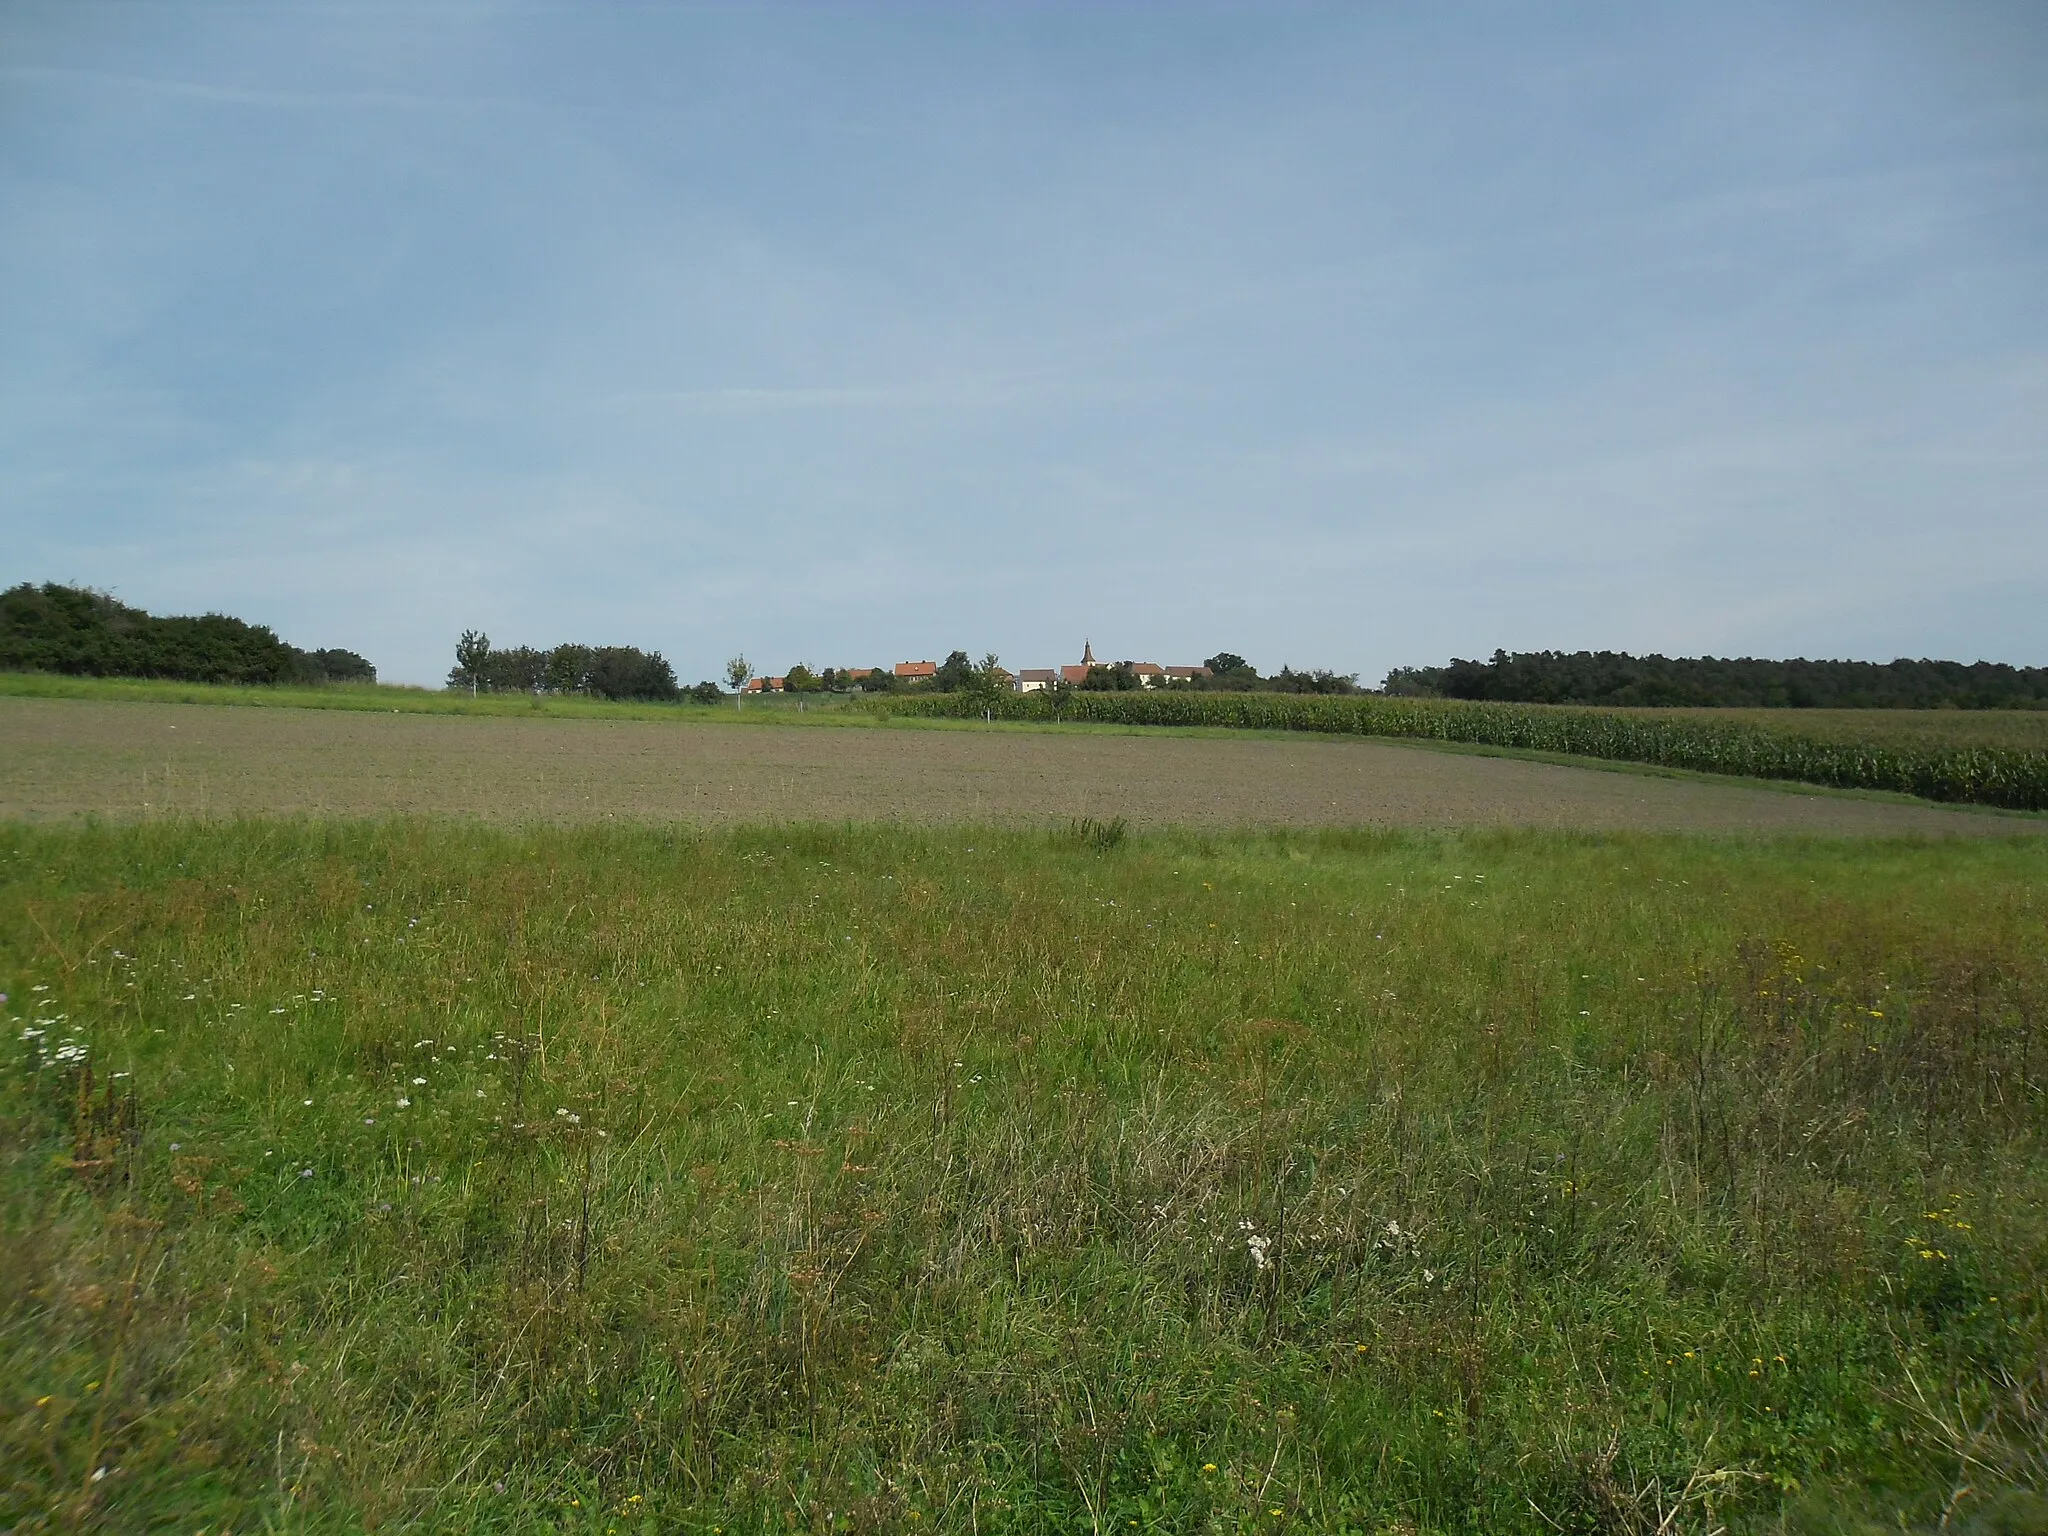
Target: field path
<point x="65" y="758"/>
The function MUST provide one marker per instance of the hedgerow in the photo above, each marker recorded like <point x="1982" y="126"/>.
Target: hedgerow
<point x="1993" y="776"/>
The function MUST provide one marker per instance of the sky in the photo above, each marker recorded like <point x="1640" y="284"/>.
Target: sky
<point x="1332" y="335"/>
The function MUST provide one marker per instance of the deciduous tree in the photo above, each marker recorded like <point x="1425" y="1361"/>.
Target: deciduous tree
<point x="471" y="652"/>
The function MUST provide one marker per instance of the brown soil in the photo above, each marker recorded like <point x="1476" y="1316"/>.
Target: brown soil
<point x="64" y="758"/>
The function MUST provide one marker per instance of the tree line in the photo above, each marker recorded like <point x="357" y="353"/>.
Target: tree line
<point x="1231" y="673"/>
<point x="1617" y="678"/>
<point x="1228" y="673"/>
<point x="76" y="630"/>
<point x="959" y="673"/>
<point x="595" y="671"/>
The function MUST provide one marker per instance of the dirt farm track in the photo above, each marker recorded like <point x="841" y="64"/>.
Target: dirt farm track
<point x="61" y="759"/>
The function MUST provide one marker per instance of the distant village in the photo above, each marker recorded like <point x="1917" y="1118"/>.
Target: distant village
<point x="911" y="674"/>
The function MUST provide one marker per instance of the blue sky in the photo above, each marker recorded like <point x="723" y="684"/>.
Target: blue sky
<point x="1337" y="335"/>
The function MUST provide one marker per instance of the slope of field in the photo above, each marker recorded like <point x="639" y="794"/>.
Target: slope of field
<point x="1768" y="745"/>
<point x="606" y="1180"/>
<point x="68" y="758"/>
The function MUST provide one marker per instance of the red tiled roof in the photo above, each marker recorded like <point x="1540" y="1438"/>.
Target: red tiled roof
<point x="917" y="669"/>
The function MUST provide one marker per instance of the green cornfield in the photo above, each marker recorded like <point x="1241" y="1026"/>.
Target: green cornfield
<point x="1974" y="775"/>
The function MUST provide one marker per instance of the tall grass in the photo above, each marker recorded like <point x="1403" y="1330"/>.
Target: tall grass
<point x="425" y="1177"/>
<point x="1973" y="774"/>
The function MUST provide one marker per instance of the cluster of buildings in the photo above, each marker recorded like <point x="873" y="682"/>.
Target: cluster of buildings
<point x="1149" y="674"/>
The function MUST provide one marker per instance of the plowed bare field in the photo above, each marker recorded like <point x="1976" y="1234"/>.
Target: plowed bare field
<point x="62" y="759"/>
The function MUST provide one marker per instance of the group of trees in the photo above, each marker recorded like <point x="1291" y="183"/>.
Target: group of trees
<point x="1231" y="673"/>
<point x="956" y="674"/>
<point x="960" y="673"/>
<point x="55" y="628"/>
<point x="801" y="679"/>
<point x="598" y="671"/>
<point x="1616" y="678"/>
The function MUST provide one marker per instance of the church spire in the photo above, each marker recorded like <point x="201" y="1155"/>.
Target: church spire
<point x="1087" y="654"/>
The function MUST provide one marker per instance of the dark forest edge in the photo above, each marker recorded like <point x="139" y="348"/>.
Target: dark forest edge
<point x="1972" y="775"/>
<point x="80" y="632"/>
<point x="1619" y="679"/>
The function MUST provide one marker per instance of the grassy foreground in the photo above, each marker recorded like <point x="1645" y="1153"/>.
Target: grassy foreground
<point x="425" y="1177"/>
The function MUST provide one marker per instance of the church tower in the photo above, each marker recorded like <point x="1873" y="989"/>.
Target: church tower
<point x="1087" y="654"/>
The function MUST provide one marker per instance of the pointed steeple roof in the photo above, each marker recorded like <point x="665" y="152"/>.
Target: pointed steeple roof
<point x="1087" y="654"/>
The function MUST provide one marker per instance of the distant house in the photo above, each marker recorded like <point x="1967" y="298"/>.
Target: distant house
<point x="916" y="671"/>
<point x="1185" y="674"/>
<point x="765" y="684"/>
<point x="1148" y="673"/>
<point x="1034" y="679"/>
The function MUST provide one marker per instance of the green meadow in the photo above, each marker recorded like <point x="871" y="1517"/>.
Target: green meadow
<point x="386" y="698"/>
<point x="418" y="1176"/>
